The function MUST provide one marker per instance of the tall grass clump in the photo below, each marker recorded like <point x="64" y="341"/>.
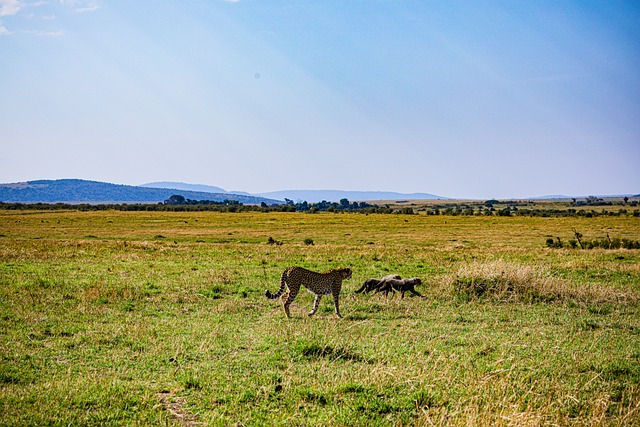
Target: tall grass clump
<point x="529" y="283"/>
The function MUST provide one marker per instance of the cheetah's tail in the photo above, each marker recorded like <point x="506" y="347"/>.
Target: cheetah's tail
<point x="280" y="291"/>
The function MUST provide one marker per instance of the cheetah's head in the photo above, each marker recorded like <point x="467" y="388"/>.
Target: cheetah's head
<point x="416" y="281"/>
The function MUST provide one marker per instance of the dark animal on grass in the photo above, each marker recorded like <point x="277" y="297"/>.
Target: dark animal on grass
<point x="373" y="284"/>
<point x="317" y="283"/>
<point x="401" y="285"/>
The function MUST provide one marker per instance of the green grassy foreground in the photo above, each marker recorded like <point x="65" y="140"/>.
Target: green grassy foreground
<point x="159" y="318"/>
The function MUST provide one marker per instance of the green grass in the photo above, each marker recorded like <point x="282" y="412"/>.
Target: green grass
<point x="105" y="322"/>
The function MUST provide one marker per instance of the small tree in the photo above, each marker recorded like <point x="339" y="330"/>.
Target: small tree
<point x="578" y="238"/>
<point x="593" y="200"/>
<point x="176" y="199"/>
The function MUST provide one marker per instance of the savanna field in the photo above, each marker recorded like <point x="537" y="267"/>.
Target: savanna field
<point x="159" y="318"/>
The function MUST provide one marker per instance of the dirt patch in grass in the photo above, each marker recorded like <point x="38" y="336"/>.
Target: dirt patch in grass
<point x="176" y="407"/>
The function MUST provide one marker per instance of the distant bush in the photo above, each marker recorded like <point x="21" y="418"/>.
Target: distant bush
<point x="406" y="211"/>
<point x="615" y="243"/>
<point x="177" y="203"/>
<point x="272" y="241"/>
<point x="603" y="243"/>
<point x="557" y="243"/>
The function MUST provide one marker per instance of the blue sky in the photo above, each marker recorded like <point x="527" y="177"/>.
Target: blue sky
<point x="470" y="99"/>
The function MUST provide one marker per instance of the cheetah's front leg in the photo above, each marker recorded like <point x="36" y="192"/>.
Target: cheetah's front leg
<point x="336" y="302"/>
<point x="316" y="303"/>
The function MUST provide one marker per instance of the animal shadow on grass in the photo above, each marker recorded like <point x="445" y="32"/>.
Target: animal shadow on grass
<point x="365" y="310"/>
<point x="315" y="351"/>
<point x="356" y="317"/>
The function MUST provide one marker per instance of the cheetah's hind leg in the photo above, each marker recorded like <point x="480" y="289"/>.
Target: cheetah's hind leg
<point x="287" y="299"/>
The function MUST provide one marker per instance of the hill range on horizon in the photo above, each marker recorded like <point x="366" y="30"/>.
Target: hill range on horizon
<point x="315" y="196"/>
<point x="86" y="191"/>
<point x="95" y="192"/>
<point x="311" y="196"/>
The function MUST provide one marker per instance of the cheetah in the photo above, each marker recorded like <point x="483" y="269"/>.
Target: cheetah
<point x="403" y="285"/>
<point x="373" y="284"/>
<point x="318" y="284"/>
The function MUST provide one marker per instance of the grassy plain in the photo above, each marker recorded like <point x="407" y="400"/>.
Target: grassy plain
<point x="154" y="318"/>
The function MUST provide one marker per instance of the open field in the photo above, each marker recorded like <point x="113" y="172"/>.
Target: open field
<point x="154" y="318"/>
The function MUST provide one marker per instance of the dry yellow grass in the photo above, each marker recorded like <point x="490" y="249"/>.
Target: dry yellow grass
<point x="106" y="322"/>
<point x="519" y="282"/>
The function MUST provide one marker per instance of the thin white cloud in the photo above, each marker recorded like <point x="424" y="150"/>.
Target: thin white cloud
<point x="42" y="17"/>
<point x="9" y="7"/>
<point x="49" y="33"/>
<point x="36" y="4"/>
<point x="5" y="32"/>
<point x="34" y="12"/>
<point x="88" y="7"/>
<point x="81" y="6"/>
<point x="40" y="33"/>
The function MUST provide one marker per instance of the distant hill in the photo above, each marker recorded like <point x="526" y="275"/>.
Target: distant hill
<point x="315" y="196"/>
<point x="311" y="196"/>
<point x="82" y="191"/>
<point x="185" y="187"/>
<point x="192" y="187"/>
<point x="551" y="197"/>
<point x="602" y="196"/>
<point x="94" y="192"/>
